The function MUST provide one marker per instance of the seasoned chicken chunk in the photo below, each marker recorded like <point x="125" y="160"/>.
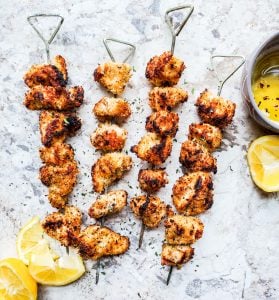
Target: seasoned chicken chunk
<point x="63" y="226"/>
<point x="192" y="193"/>
<point x="109" y="137"/>
<point x="196" y="157"/>
<point x="182" y="230"/>
<point x="57" y="154"/>
<point x="207" y="135"/>
<point x="215" y="110"/>
<point x="113" y="76"/>
<point x="153" y="148"/>
<point x="151" y="180"/>
<point x="176" y="255"/>
<point x="166" y="98"/>
<point x="112" y="109"/>
<point x="150" y="209"/>
<point x="107" y="204"/>
<point x="56" y="126"/>
<point x="109" y="168"/>
<point x="56" y="98"/>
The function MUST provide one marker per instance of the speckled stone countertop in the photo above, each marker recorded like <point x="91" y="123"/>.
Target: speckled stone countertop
<point x="238" y="256"/>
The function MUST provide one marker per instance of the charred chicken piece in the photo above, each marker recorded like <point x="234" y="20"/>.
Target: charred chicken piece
<point x="176" y="255"/>
<point x="215" y="110"/>
<point x="164" y="70"/>
<point x="192" y="193"/>
<point x="107" y="204"/>
<point x="151" y="180"/>
<point x="109" y="168"/>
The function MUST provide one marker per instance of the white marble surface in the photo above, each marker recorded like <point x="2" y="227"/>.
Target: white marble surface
<point x="238" y="254"/>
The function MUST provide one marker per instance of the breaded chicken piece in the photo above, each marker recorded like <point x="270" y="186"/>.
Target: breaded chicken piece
<point x="113" y="76"/>
<point x="166" y="98"/>
<point x="182" y="230"/>
<point x="95" y="242"/>
<point x="56" y="98"/>
<point x="109" y="168"/>
<point x="153" y="148"/>
<point x="176" y="255"/>
<point x="196" y="157"/>
<point x="192" y="193"/>
<point x="62" y="226"/>
<point x="164" y="70"/>
<point x="151" y="180"/>
<point x="107" y="204"/>
<point x="151" y="209"/>
<point x="112" y="109"/>
<point x="163" y="123"/>
<point x="57" y="154"/>
<point x="48" y="74"/>
<point x="207" y="135"/>
<point x="215" y="110"/>
<point x="109" y="137"/>
<point x="56" y="126"/>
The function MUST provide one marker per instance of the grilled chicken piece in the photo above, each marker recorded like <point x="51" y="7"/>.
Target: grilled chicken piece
<point x="196" y="157"/>
<point x="113" y="76"/>
<point x="164" y="70"/>
<point x="151" y="180"/>
<point x="109" y="168"/>
<point x="176" y="255"/>
<point x="48" y="74"/>
<point x="109" y="137"/>
<point x="215" y="110"/>
<point x="149" y="208"/>
<point x="153" y="148"/>
<point x="107" y="204"/>
<point x="57" y="154"/>
<point x="63" y="226"/>
<point x="56" y="126"/>
<point x="207" y="135"/>
<point x="166" y="98"/>
<point x="182" y="230"/>
<point x="163" y="123"/>
<point x="95" y="242"/>
<point x="192" y="193"/>
<point x="112" y="109"/>
<point x="56" y="98"/>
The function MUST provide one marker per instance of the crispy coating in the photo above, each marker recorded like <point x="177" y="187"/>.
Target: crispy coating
<point x="57" y="154"/>
<point x="151" y="209"/>
<point x="192" y="193"/>
<point x="107" y="204"/>
<point x="166" y="98"/>
<point x="153" y="148"/>
<point x="151" y="180"/>
<point x="112" y="109"/>
<point x="56" y="126"/>
<point x="113" y="76"/>
<point x="182" y="230"/>
<point x="215" y="110"/>
<point x="109" y="168"/>
<point x="196" y="157"/>
<point x="207" y="135"/>
<point x="62" y="226"/>
<point x="109" y="137"/>
<point x="164" y="70"/>
<point x="176" y="255"/>
<point x="48" y="74"/>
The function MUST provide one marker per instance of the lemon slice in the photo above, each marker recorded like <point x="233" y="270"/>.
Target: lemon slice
<point x="263" y="161"/>
<point x="15" y="281"/>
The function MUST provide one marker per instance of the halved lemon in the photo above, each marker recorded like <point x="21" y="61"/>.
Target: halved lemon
<point x="263" y="161"/>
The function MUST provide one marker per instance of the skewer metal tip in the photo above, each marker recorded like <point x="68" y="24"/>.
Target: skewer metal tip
<point x="141" y="235"/>
<point x="169" y="275"/>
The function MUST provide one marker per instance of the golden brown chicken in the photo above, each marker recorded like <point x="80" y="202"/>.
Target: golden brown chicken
<point x="109" y="168"/>
<point x="164" y="70"/>
<point x="196" y="157"/>
<point x="151" y="180"/>
<point x="113" y="76"/>
<point x="192" y="193"/>
<point x="109" y="137"/>
<point x="166" y="98"/>
<point x="107" y="204"/>
<point x="163" y="123"/>
<point x="215" y="110"/>
<point x="153" y="148"/>
<point x="176" y="255"/>
<point x="57" y="154"/>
